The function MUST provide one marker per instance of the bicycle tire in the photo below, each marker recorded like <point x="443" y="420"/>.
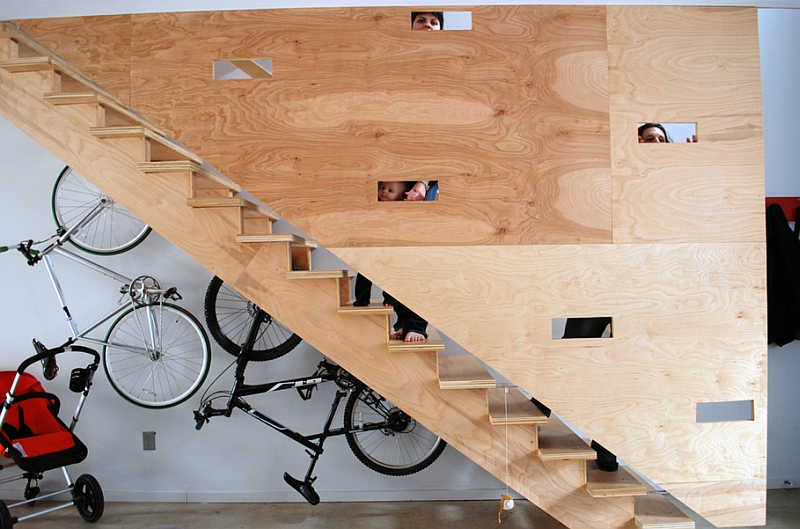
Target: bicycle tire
<point x="228" y="318"/>
<point x="156" y="377"/>
<point x="112" y="232"/>
<point x="400" y="448"/>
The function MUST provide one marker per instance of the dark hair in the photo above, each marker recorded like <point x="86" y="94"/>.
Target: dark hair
<point x="659" y="126"/>
<point x="438" y="14"/>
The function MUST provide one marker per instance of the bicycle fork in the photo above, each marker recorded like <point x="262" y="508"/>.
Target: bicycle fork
<point x="305" y="487"/>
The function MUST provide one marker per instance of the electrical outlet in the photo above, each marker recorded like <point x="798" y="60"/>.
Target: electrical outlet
<point x="149" y="440"/>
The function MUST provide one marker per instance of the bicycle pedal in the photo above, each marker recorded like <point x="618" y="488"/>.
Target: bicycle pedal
<point x="303" y="487"/>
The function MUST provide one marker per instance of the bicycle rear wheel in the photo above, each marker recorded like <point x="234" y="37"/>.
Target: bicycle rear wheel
<point x="391" y="441"/>
<point x="229" y="316"/>
<point x="156" y="356"/>
<point x="113" y="231"/>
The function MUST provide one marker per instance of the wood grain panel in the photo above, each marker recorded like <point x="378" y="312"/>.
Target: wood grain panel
<point x="689" y="326"/>
<point x="98" y="46"/>
<point x="672" y="64"/>
<point x="514" y="112"/>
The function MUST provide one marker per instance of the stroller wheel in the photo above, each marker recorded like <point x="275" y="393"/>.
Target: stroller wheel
<point x="88" y="497"/>
<point x="6" y="522"/>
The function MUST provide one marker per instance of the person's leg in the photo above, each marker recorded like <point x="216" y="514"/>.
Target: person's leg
<point x="605" y="460"/>
<point x="409" y="327"/>
<point x="363" y="291"/>
<point x="585" y="327"/>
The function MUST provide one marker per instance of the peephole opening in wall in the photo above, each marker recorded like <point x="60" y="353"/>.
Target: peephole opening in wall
<point x="234" y="69"/>
<point x="408" y="191"/>
<point x="436" y="20"/>
<point x="571" y="328"/>
<point x="656" y="132"/>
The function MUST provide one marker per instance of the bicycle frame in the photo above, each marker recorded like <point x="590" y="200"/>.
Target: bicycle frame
<point x="144" y="327"/>
<point x="77" y="334"/>
<point x="326" y="372"/>
<point x="148" y="297"/>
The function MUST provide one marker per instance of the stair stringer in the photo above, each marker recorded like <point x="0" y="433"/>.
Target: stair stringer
<point x="307" y="306"/>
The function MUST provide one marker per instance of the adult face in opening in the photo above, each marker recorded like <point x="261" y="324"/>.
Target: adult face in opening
<point x="652" y="135"/>
<point x="425" y="22"/>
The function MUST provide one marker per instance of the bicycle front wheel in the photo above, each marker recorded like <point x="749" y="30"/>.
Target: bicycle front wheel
<point x="229" y="316"/>
<point x="156" y="356"/>
<point x="385" y="438"/>
<point x="114" y="230"/>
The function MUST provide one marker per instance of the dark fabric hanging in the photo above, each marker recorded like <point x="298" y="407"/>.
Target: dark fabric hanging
<point x="783" y="278"/>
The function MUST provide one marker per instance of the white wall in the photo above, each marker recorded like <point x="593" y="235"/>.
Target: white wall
<point x="238" y="459"/>
<point x="779" y="31"/>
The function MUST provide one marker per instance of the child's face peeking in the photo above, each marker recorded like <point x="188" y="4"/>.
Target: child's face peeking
<point x="392" y="191"/>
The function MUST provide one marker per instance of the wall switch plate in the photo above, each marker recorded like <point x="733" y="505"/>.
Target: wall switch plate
<point x="149" y="440"/>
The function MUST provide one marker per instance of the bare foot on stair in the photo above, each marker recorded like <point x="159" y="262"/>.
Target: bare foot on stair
<point x="412" y="336"/>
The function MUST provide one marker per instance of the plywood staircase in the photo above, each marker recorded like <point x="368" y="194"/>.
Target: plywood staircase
<point x="210" y="218"/>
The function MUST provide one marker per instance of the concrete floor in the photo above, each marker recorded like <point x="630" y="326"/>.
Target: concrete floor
<point x="783" y="512"/>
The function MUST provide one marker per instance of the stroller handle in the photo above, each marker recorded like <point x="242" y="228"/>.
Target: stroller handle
<point x="50" y="353"/>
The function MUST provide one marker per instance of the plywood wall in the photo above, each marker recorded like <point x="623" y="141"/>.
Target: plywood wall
<point x="549" y="208"/>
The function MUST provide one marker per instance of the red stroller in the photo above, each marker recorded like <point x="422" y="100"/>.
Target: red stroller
<point x="36" y="440"/>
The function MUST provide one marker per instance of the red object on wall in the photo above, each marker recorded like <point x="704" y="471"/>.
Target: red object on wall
<point x="788" y="204"/>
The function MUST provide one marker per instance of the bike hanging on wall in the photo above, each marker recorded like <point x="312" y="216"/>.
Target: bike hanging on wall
<point x="155" y="353"/>
<point x="381" y="435"/>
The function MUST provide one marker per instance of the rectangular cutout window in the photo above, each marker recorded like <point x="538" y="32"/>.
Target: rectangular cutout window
<point x="654" y="132"/>
<point x="735" y="410"/>
<point x="572" y="328"/>
<point x="397" y="191"/>
<point x="242" y="69"/>
<point x="450" y="20"/>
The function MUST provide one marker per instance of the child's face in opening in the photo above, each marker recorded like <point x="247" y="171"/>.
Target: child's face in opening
<point x="425" y="22"/>
<point x="392" y="191"/>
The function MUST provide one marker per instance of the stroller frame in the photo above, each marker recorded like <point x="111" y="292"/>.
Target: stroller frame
<point x="85" y="492"/>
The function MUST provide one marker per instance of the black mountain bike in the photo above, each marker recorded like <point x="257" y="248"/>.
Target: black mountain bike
<point x="382" y="436"/>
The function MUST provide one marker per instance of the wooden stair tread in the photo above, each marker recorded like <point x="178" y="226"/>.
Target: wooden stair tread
<point x="434" y="343"/>
<point x="71" y="98"/>
<point x="95" y="95"/>
<point x="655" y="511"/>
<point x="228" y="202"/>
<point x="176" y="166"/>
<point x="557" y="441"/>
<point x="375" y="307"/>
<point x="140" y="131"/>
<point x="295" y="240"/>
<point x="318" y="274"/>
<point x="27" y="64"/>
<point x="606" y="484"/>
<point x="463" y="372"/>
<point x="46" y="57"/>
<point x="515" y="409"/>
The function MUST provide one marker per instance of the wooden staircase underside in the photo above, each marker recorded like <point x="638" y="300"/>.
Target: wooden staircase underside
<point x="260" y="271"/>
<point x="688" y="309"/>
